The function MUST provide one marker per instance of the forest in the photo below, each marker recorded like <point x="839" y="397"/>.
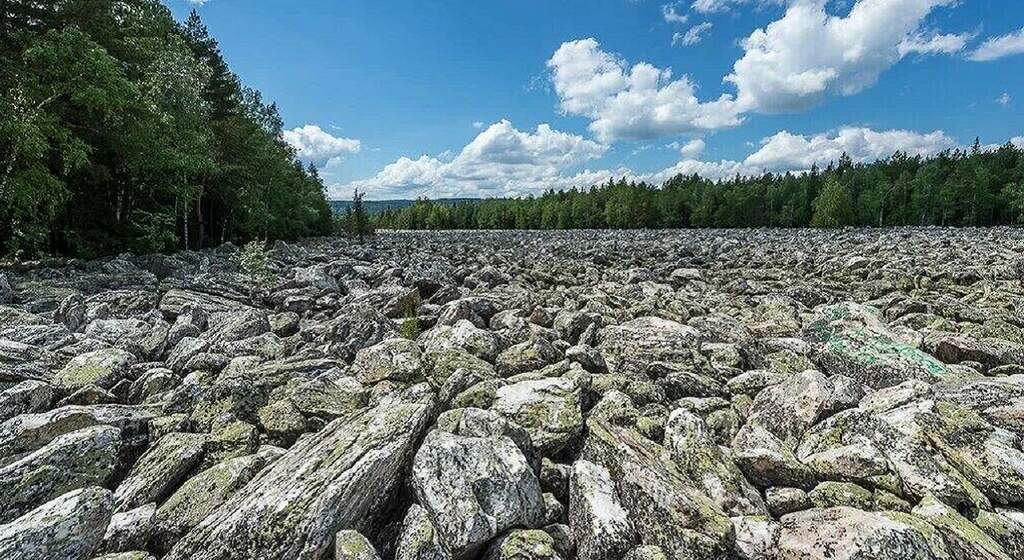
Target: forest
<point x="124" y="130"/>
<point x="975" y="187"/>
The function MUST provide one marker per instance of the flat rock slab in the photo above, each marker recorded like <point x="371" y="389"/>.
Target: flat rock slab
<point x="343" y="477"/>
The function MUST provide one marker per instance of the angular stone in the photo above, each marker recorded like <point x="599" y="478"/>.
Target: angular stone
<point x="650" y="346"/>
<point x="474" y="488"/>
<point x="665" y="509"/>
<point x="160" y="470"/>
<point x="87" y="457"/>
<point x="344" y="476"/>
<point x="68" y="527"/>
<point x="845" y="533"/>
<point x="601" y="527"/>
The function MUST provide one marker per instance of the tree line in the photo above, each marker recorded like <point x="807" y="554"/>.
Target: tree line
<point x="973" y="187"/>
<point x="124" y="130"/>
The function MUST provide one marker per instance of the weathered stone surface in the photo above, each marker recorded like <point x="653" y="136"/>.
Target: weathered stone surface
<point x="419" y="539"/>
<point x="200" y="496"/>
<point x="650" y="346"/>
<point x="601" y="527"/>
<point x="343" y="476"/>
<point x="664" y="508"/>
<point x="854" y="341"/>
<point x="350" y="545"/>
<point x="550" y="409"/>
<point x="474" y="489"/>
<point x="86" y="457"/>
<point x="68" y="527"/>
<point x="849" y="534"/>
<point x="100" y="367"/>
<point x="160" y="470"/>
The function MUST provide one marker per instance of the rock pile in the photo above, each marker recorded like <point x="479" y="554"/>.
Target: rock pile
<point x="695" y="395"/>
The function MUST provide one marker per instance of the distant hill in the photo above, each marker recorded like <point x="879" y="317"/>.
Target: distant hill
<point x="378" y="206"/>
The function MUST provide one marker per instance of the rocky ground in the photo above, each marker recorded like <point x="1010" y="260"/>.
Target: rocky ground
<point x="522" y="396"/>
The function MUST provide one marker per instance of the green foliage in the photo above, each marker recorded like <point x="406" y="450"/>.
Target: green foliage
<point x="121" y="129"/>
<point x="254" y="260"/>
<point x="953" y="188"/>
<point x="834" y="207"/>
<point x="410" y="327"/>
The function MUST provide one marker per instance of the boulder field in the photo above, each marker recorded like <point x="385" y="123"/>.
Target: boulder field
<point x="593" y="395"/>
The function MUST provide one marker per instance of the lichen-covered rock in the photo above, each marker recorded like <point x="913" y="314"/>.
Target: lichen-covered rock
<point x="845" y="533"/>
<point x="129" y="530"/>
<point x="103" y="368"/>
<point x="523" y="545"/>
<point x="601" y="527"/>
<point x="344" y="476"/>
<point x="86" y="457"/>
<point x="419" y="540"/>
<point x="351" y="545"/>
<point x="689" y="441"/>
<point x="526" y="356"/>
<point x="28" y="432"/>
<point x="475" y="422"/>
<point x="757" y="537"/>
<point x="663" y="506"/>
<point x="475" y="488"/>
<point x="465" y="337"/>
<point x="550" y="409"/>
<point x="650" y="346"/>
<point x="854" y="341"/>
<point x="394" y="359"/>
<point x="27" y="397"/>
<point x="963" y="539"/>
<point x="200" y="496"/>
<point x="160" y="470"/>
<point x="69" y="527"/>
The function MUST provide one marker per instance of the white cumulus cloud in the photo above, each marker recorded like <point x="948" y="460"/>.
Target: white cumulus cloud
<point x="500" y="161"/>
<point x="785" y="151"/>
<point x="692" y="149"/>
<point x="631" y="102"/>
<point x="318" y="146"/>
<point x="999" y="47"/>
<point x="797" y="61"/>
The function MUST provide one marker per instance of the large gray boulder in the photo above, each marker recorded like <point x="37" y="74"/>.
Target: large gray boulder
<point x="550" y="409"/>
<point x="69" y="527"/>
<point x="663" y="505"/>
<point x="160" y="470"/>
<point x="344" y="476"/>
<point x="87" y="457"/>
<point x="102" y="368"/>
<point x="845" y="533"/>
<point x="853" y="340"/>
<point x="200" y="496"/>
<point x="650" y="346"/>
<point x="419" y="540"/>
<point x="601" y="527"/>
<point x="473" y="489"/>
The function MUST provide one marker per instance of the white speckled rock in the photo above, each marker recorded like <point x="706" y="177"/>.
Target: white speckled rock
<point x="419" y="539"/>
<point x="601" y="528"/>
<point x="845" y="533"/>
<point x="474" y="488"/>
<point x="160" y="470"/>
<point x="86" y="457"/>
<point x="344" y="476"/>
<point x="66" y="528"/>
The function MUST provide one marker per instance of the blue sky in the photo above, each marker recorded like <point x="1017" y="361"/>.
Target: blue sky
<point x="493" y="98"/>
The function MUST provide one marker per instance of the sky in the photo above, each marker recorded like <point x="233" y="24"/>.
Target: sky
<point x="492" y="98"/>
